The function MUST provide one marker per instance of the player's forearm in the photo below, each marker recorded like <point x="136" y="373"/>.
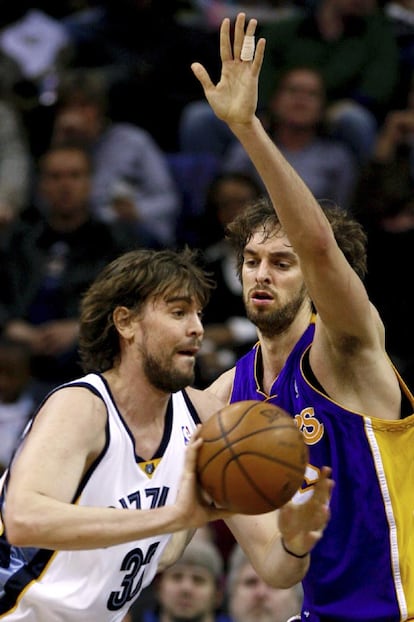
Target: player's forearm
<point x="278" y="568"/>
<point x="282" y="569"/>
<point x="260" y="540"/>
<point x="296" y="206"/>
<point x="51" y="524"/>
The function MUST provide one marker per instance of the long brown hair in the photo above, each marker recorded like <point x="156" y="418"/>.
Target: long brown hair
<point x="130" y="281"/>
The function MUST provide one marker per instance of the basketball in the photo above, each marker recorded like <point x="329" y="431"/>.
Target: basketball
<point x="253" y="457"/>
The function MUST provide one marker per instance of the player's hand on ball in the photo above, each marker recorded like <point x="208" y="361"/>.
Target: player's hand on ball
<point x="194" y="507"/>
<point x="301" y="525"/>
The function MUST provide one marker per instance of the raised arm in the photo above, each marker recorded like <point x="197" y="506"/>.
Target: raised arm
<point x="348" y="352"/>
<point x="334" y="287"/>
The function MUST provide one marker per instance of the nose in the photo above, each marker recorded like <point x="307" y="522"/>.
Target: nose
<point x="262" y="273"/>
<point x="196" y="326"/>
<point x="261" y="590"/>
<point x="187" y="584"/>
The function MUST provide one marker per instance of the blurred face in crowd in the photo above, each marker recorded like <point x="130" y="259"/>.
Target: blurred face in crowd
<point x="252" y="600"/>
<point x="189" y="593"/>
<point x="65" y="183"/>
<point x="299" y="100"/>
<point x="79" y="122"/>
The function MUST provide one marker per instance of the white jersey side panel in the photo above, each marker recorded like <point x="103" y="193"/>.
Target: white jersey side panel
<point x="100" y="585"/>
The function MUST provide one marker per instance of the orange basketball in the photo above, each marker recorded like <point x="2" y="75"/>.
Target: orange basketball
<point x="253" y="457"/>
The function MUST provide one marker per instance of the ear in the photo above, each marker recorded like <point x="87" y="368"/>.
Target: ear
<point x="123" y="321"/>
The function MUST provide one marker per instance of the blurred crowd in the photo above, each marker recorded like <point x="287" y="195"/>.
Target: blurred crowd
<point x="202" y="587"/>
<point x="107" y="144"/>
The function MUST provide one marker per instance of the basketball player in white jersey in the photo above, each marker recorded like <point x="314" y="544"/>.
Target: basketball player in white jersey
<point x="105" y="472"/>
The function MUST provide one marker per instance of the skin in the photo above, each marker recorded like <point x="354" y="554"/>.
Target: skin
<point x="297" y="107"/>
<point x="251" y="600"/>
<point x="69" y="433"/>
<point x="187" y="592"/>
<point x="65" y="183"/>
<point x="347" y="355"/>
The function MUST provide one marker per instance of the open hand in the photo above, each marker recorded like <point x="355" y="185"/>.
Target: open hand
<point x="234" y="98"/>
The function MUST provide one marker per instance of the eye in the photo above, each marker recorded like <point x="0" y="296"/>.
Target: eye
<point x="199" y="580"/>
<point x="283" y="265"/>
<point x="250" y="263"/>
<point x="179" y="313"/>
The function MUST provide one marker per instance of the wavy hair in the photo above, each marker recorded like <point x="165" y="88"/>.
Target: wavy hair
<point x="130" y="281"/>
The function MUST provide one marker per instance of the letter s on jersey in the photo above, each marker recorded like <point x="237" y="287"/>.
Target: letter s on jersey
<point x="308" y="424"/>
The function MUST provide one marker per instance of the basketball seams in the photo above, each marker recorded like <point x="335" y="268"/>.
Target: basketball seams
<point x="224" y="436"/>
<point x="249" y="462"/>
<point x="228" y="446"/>
<point x="254" y="486"/>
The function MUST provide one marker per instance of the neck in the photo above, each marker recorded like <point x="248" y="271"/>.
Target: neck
<point x="275" y="349"/>
<point x="130" y="388"/>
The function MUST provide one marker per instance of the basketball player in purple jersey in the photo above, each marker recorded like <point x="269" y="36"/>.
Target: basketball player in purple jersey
<point x="321" y="356"/>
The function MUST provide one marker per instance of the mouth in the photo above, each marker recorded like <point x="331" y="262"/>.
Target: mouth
<point x="261" y="296"/>
<point x="190" y="351"/>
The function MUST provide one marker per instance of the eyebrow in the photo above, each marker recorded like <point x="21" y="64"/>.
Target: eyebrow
<point x="274" y="255"/>
<point x="171" y="299"/>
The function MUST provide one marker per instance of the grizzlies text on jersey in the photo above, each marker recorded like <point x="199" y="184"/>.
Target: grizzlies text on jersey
<point x="100" y="585"/>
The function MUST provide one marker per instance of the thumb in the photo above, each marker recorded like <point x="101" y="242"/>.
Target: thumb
<point x="202" y="76"/>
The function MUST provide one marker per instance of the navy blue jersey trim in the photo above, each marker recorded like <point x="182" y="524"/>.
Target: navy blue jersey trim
<point x="191" y="407"/>
<point x="21" y="579"/>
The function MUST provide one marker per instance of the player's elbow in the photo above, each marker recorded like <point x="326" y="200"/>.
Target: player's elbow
<point x="19" y="525"/>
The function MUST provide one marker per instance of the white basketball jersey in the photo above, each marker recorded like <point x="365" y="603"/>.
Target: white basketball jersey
<point x="100" y="585"/>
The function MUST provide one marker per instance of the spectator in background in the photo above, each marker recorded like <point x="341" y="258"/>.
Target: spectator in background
<point x="227" y="331"/>
<point x="212" y="12"/>
<point x="15" y="165"/>
<point x="251" y="600"/>
<point x="34" y="49"/>
<point x="384" y="203"/>
<point x="131" y="180"/>
<point x="131" y="43"/>
<point x="401" y="16"/>
<point x="296" y="114"/>
<point x="48" y="265"/>
<point x="189" y="590"/>
<point x="352" y="43"/>
<point x="19" y="396"/>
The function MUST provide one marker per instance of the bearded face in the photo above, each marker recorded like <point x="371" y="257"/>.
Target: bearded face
<point x="277" y="317"/>
<point x="161" y="372"/>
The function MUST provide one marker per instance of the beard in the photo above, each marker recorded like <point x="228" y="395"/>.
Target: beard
<point x="276" y="321"/>
<point x="163" y="376"/>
